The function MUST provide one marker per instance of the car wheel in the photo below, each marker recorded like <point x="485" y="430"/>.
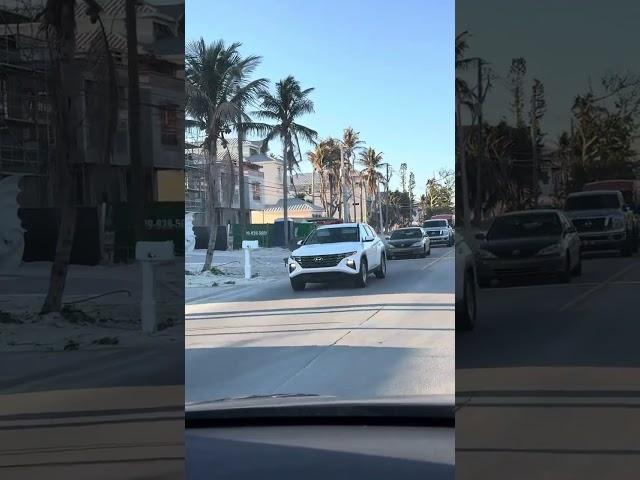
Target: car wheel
<point x="565" y="276"/>
<point x="450" y="242"/>
<point x="429" y="250"/>
<point x="627" y="249"/>
<point x="381" y="271"/>
<point x="297" y="285"/>
<point x="424" y="252"/>
<point x="577" y="271"/>
<point x="466" y="310"/>
<point x="363" y="274"/>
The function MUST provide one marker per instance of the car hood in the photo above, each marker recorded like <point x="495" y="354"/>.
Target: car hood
<point x="327" y="249"/>
<point x="602" y="212"/>
<point x="526" y="244"/>
<point x="403" y="241"/>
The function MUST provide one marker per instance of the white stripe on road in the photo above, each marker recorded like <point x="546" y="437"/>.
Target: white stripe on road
<point x="598" y="287"/>
<point x="437" y="260"/>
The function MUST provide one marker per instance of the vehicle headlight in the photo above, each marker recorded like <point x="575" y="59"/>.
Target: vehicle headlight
<point x="391" y="245"/>
<point x="550" y="250"/>
<point x="617" y="223"/>
<point x="417" y="244"/>
<point x="485" y="254"/>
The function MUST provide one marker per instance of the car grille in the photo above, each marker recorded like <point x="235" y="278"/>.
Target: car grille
<point x="435" y="233"/>
<point x="589" y="224"/>
<point x="515" y="252"/>
<point x="320" y="261"/>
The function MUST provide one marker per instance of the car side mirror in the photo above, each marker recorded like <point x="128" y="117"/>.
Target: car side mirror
<point x="368" y="239"/>
<point x="481" y="236"/>
<point x="300" y="243"/>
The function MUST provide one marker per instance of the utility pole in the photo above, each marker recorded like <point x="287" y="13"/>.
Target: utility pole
<point x="361" y="201"/>
<point x="478" y="202"/>
<point x="137" y="195"/>
<point x="345" y="200"/>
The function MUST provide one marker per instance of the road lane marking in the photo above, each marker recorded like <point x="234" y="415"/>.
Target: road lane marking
<point x="607" y="282"/>
<point x="436" y="260"/>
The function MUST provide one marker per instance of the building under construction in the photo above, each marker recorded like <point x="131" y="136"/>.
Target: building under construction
<point x="26" y="136"/>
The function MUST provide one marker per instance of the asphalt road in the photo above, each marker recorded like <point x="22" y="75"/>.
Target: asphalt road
<point x="394" y="337"/>
<point x="548" y="385"/>
<point x="101" y="414"/>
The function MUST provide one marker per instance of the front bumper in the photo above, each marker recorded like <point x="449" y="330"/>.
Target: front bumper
<point x="324" y="274"/>
<point x="440" y="239"/>
<point x="508" y="269"/>
<point x="603" y="240"/>
<point x="397" y="252"/>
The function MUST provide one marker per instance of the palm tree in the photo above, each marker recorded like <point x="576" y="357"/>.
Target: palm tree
<point x="216" y="91"/>
<point x="351" y="143"/>
<point x="372" y="162"/>
<point x="59" y="22"/>
<point x="246" y="93"/>
<point x="284" y="107"/>
<point x="317" y="158"/>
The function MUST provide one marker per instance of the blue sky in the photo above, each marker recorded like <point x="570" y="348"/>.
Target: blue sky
<point x="384" y="68"/>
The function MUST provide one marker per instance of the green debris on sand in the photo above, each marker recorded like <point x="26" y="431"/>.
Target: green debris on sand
<point x="217" y="271"/>
<point x="6" y="317"/>
<point x="106" y="341"/>
<point x="74" y="315"/>
<point x="71" y="345"/>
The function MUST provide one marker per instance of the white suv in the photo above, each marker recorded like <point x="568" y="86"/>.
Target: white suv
<point x="332" y="252"/>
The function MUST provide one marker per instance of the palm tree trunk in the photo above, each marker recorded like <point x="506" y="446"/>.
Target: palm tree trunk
<point x="285" y="190"/>
<point x="211" y="201"/>
<point x="138" y="195"/>
<point x="66" y="87"/>
<point x="241" y="181"/>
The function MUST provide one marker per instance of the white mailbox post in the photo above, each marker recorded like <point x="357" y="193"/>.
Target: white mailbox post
<point x="147" y="253"/>
<point x="247" y="246"/>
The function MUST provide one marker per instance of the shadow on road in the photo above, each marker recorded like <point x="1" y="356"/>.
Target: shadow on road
<point x="344" y="371"/>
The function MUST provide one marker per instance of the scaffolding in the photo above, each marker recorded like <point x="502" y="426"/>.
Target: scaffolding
<point x="26" y="136"/>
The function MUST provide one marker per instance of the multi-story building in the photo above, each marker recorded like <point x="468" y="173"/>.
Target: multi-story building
<point x="161" y="84"/>
<point x="227" y="202"/>
<point x="25" y="133"/>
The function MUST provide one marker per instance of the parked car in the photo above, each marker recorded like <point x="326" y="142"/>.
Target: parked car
<point x="529" y="244"/>
<point x="604" y="221"/>
<point x="332" y="252"/>
<point x="408" y="242"/>
<point x="466" y="285"/>
<point x="440" y="232"/>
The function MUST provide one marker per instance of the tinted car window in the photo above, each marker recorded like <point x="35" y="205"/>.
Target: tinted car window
<point x="333" y="235"/>
<point x="521" y="226"/>
<point x="409" y="233"/>
<point x="593" y="202"/>
<point x="435" y="223"/>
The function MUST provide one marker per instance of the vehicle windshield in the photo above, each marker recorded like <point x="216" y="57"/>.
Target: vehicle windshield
<point x="408" y="233"/>
<point x="522" y="226"/>
<point x="333" y="235"/>
<point x="592" y="202"/>
<point x="435" y="223"/>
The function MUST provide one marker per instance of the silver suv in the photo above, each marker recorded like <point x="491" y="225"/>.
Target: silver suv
<point x="603" y="221"/>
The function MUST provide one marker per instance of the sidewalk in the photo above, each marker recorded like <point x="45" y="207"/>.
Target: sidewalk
<point x="228" y="271"/>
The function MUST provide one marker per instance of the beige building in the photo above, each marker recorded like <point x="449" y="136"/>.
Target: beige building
<point x="297" y="209"/>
